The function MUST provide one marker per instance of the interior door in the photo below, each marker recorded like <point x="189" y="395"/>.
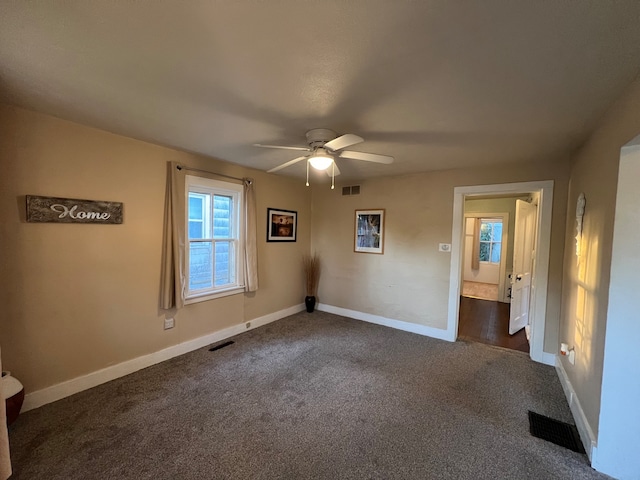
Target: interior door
<point x="523" y="245"/>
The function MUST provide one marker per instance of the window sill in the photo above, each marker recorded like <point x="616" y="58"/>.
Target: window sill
<point x="212" y="296"/>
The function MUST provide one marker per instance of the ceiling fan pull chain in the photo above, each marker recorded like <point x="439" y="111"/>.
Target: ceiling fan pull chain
<point x="307" y="173"/>
<point x="333" y="174"/>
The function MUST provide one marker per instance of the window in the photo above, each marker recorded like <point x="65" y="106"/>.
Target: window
<point x="490" y="240"/>
<point x="214" y="243"/>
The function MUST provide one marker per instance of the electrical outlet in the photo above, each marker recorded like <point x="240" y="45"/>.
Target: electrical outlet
<point x="168" y="323"/>
<point x="572" y="356"/>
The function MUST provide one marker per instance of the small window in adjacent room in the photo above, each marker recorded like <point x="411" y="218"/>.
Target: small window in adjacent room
<point x="214" y="241"/>
<point x="490" y="240"/>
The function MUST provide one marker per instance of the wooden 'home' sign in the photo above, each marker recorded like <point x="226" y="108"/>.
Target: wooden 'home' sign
<point x="70" y="210"/>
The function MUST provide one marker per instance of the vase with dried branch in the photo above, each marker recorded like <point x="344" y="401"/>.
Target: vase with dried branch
<point x="311" y="264"/>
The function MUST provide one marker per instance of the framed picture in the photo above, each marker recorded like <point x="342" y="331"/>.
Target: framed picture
<point x="369" y="231"/>
<point x="282" y="225"/>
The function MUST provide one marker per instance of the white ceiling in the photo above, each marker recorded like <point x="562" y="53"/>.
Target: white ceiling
<point x="436" y="84"/>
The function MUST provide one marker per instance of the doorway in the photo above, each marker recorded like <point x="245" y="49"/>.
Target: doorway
<point x="537" y="307"/>
<point x="488" y="246"/>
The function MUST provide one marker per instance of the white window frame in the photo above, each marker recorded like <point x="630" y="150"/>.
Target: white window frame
<point x="492" y="242"/>
<point x="204" y="224"/>
<point x="212" y="187"/>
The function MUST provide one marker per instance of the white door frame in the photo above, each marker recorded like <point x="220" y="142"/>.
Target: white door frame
<point x="539" y="283"/>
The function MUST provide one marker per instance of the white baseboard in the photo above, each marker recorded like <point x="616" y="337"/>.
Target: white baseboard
<point x="387" y="322"/>
<point x="584" y="429"/>
<point x="61" y="390"/>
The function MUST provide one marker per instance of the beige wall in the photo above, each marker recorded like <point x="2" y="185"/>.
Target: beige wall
<point x="410" y="282"/>
<point x="585" y="288"/>
<point x="78" y="298"/>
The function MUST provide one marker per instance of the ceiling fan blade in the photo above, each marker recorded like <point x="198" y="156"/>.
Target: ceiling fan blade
<point x="367" y="157"/>
<point x="343" y="142"/>
<point x="285" y="165"/>
<point x="330" y="169"/>
<point x="302" y="149"/>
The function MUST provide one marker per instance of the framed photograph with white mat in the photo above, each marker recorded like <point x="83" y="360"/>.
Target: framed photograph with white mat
<point x="369" y="231"/>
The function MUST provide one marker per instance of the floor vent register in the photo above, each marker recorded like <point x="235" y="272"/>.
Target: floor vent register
<point x="222" y="345"/>
<point x="555" y="431"/>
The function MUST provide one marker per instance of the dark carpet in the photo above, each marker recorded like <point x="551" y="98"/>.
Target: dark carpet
<point x="310" y="396"/>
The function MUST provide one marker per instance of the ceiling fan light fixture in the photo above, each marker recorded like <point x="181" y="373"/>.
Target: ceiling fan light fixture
<point x="320" y="160"/>
<point x="324" y="145"/>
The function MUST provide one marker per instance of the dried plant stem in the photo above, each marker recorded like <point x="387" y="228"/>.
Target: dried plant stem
<point x="311" y="265"/>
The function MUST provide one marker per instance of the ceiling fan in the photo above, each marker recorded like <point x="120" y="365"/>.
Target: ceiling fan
<point x="324" y="146"/>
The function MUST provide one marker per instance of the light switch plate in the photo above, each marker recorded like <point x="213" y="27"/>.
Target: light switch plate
<point x="444" y="247"/>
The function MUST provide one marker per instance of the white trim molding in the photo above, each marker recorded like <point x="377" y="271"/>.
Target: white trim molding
<point x="584" y="429"/>
<point x="61" y="390"/>
<point x="387" y="322"/>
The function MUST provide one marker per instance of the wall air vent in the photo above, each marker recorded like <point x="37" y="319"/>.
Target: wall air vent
<point x="351" y="190"/>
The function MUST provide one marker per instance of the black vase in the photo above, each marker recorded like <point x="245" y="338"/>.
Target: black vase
<point x="310" y="303"/>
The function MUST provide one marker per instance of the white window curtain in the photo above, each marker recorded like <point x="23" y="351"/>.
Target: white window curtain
<point x="5" y="458"/>
<point x="173" y="273"/>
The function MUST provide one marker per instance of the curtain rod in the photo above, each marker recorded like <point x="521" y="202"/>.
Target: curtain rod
<point x="180" y="167"/>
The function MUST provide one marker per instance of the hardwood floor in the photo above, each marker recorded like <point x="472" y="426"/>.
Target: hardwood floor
<point x="486" y="321"/>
